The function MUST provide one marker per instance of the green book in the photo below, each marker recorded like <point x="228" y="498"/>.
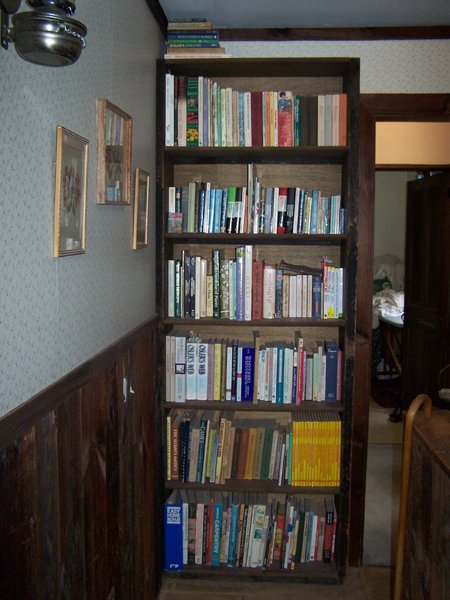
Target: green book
<point x="192" y="111"/>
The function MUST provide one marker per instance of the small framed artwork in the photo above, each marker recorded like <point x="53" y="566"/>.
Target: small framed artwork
<point x="141" y="202"/>
<point x="114" y="131"/>
<point x="70" y="193"/>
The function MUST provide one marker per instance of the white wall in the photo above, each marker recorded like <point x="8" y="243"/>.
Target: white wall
<point x="407" y="66"/>
<point x="390" y="212"/>
<point x="57" y="313"/>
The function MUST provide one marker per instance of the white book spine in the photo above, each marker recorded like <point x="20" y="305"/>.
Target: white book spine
<point x="171" y="288"/>
<point x="293" y="296"/>
<point x="269" y="292"/>
<point x="202" y="375"/>
<point x="248" y="263"/>
<point x="169" y="123"/>
<point x="198" y="286"/>
<point x="180" y="368"/>
<point x="203" y="286"/>
<point x="191" y="370"/>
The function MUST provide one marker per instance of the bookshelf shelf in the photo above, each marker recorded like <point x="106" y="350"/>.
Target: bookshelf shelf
<point x="260" y="406"/>
<point x="266" y="154"/>
<point x="325" y="573"/>
<point x="255" y="486"/>
<point x="309" y="239"/>
<point x="332" y="169"/>
<point x="281" y="322"/>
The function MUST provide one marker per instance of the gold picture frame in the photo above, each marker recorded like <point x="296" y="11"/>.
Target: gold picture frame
<point x="140" y="213"/>
<point x="70" y="193"/>
<point x="114" y="136"/>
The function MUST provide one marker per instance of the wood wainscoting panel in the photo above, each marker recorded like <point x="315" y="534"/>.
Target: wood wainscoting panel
<point x="79" y="486"/>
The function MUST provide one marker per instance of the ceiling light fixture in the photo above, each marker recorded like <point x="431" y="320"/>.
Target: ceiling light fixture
<point x="46" y="35"/>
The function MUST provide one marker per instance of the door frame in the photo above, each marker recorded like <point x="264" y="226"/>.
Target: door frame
<point x="374" y="108"/>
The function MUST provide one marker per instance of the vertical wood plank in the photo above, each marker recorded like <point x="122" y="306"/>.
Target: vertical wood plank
<point x="94" y="410"/>
<point x="18" y="519"/>
<point x="47" y="509"/>
<point x="71" y="513"/>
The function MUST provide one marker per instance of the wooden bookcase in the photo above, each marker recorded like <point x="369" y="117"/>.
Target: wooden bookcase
<point x="333" y="170"/>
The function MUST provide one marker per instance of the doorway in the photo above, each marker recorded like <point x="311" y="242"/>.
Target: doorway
<point x="374" y="108"/>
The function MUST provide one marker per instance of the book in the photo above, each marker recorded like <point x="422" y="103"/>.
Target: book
<point x="192" y="111"/>
<point x="173" y="534"/>
<point x="285" y="118"/>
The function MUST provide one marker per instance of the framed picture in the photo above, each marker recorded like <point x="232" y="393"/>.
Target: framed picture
<point x="114" y="131"/>
<point x="141" y="201"/>
<point x="70" y="193"/>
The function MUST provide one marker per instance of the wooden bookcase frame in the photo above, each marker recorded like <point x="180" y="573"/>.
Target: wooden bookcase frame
<point x="326" y="167"/>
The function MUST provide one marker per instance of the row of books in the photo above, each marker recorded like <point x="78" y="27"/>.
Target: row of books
<point x="200" y="207"/>
<point x="277" y="372"/>
<point x="267" y="532"/>
<point x="242" y="288"/>
<point x="293" y="449"/>
<point x="203" y="112"/>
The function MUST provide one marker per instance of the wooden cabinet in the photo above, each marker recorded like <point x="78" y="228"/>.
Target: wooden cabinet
<point x="426" y="334"/>
<point x="427" y="545"/>
<point x="331" y="169"/>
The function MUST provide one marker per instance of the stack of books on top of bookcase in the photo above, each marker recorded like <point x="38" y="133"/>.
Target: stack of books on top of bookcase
<point x="193" y="38"/>
<point x="241" y="530"/>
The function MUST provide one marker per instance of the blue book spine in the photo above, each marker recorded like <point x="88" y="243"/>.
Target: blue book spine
<point x="294" y="379"/>
<point x="217" y="211"/>
<point x="233" y="535"/>
<point x="279" y="294"/>
<point x="314" y="210"/>
<point x="217" y="534"/>
<point x="223" y="211"/>
<point x="316" y="296"/>
<point x="201" y="209"/>
<point x="331" y="372"/>
<point x="248" y="363"/>
<point x="212" y="210"/>
<point x="301" y="211"/>
<point x="241" y="118"/>
<point x="173" y="537"/>
<point x="280" y="375"/>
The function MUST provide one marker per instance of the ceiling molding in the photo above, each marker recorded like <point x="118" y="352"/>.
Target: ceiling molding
<point x="334" y="34"/>
<point x="315" y="34"/>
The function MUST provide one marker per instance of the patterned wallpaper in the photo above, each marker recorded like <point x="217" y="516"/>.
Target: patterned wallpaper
<point x="387" y="67"/>
<point x="57" y="313"/>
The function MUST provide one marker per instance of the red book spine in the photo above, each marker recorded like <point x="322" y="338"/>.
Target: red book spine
<point x="256" y="112"/>
<point x="257" y="286"/>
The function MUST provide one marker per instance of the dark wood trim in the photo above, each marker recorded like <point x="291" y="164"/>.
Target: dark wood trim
<point x="334" y="34"/>
<point x="374" y="107"/>
<point x="18" y="421"/>
<point x="160" y="16"/>
<point x="289" y="34"/>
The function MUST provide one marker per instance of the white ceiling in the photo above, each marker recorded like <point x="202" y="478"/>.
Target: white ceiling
<point x="239" y="14"/>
